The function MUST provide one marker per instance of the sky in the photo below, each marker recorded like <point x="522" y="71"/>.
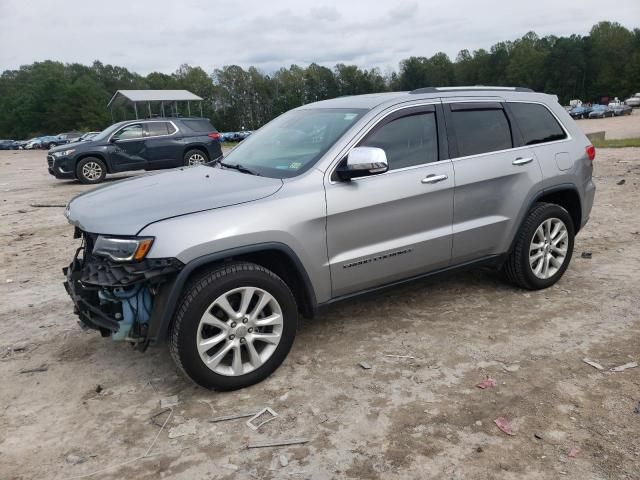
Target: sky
<point x="160" y="35"/>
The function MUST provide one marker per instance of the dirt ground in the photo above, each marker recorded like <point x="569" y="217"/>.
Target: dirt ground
<point x="90" y="410"/>
<point x="615" y="127"/>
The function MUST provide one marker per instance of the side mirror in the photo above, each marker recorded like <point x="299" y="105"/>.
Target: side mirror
<point x="362" y="162"/>
<point x="113" y="140"/>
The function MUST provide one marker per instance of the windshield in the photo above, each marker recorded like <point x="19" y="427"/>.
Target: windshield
<point x="103" y="135"/>
<point x="293" y="142"/>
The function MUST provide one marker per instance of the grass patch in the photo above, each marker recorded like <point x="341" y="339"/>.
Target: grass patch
<point x="617" y="143"/>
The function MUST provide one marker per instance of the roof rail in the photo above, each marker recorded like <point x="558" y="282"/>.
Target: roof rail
<point x="472" y="88"/>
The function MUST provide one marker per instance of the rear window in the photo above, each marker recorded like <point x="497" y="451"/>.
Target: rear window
<point x="481" y="131"/>
<point x="536" y="123"/>
<point x="199" y="125"/>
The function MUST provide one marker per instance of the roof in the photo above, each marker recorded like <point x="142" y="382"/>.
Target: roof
<point x="122" y="96"/>
<point x="373" y="100"/>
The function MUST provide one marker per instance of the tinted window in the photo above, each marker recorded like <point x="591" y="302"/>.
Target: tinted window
<point x="156" y="128"/>
<point x="199" y="125"/>
<point x="130" y="131"/>
<point x="407" y="141"/>
<point x="171" y="128"/>
<point x="480" y="131"/>
<point x="536" y="123"/>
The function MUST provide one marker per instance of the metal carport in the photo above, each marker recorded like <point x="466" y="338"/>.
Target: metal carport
<point x="171" y="97"/>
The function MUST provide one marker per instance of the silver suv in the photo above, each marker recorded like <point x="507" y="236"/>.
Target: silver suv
<point x="327" y="201"/>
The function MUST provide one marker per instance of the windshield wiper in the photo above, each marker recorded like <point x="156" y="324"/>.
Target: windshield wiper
<point x="239" y="167"/>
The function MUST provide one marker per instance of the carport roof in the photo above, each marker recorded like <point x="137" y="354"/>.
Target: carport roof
<point x="122" y="96"/>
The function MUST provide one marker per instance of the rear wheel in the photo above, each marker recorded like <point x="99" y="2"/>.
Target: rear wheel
<point x="234" y="326"/>
<point x="91" y="170"/>
<point x="543" y="248"/>
<point x="195" y="157"/>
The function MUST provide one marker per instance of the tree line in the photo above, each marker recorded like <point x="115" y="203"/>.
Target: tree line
<point x="50" y="97"/>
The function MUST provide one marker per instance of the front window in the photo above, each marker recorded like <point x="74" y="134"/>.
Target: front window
<point x="129" y="132"/>
<point x="293" y="142"/>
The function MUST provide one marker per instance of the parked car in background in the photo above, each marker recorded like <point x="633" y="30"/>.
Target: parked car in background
<point x="580" y="112"/>
<point x="33" y="143"/>
<point x="601" y="111"/>
<point x="633" y="101"/>
<point x="327" y="201"/>
<point x="68" y="137"/>
<point x="622" y="109"/>
<point x="7" y="144"/>
<point x="137" y="145"/>
<point x="87" y="136"/>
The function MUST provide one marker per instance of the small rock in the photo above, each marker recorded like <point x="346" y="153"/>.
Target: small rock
<point x="538" y="436"/>
<point x="637" y="409"/>
<point x="478" y="423"/>
<point x="283" y="460"/>
<point x="512" y="368"/>
<point x="99" y="388"/>
<point x="479" y="450"/>
<point x="315" y="411"/>
<point x="621" y="182"/>
<point x="283" y="398"/>
<point x="9" y="280"/>
<point x="75" y="459"/>
<point x="169" y="402"/>
<point x="586" y="255"/>
<point x="365" y="365"/>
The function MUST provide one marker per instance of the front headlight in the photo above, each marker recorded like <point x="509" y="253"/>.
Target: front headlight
<point x="123" y="249"/>
<point x="64" y="153"/>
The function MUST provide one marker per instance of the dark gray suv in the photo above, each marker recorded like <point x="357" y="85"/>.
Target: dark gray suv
<point x="152" y="144"/>
<point x="327" y="201"/>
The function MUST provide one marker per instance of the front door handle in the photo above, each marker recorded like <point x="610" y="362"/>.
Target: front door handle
<point x="522" y="161"/>
<point x="434" y="178"/>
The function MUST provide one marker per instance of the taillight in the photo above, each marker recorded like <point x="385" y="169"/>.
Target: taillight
<point x="591" y="152"/>
<point x="214" y="136"/>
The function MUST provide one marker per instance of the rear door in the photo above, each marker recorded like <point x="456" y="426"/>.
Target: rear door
<point x="395" y="225"/>
<point x="494" y="178"/>
<point x="164" y="147"/>
<point x="128" y="149"/>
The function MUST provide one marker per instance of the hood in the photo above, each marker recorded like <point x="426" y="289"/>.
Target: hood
<point x="66" y="146"/>
<point x="127" y="206"/>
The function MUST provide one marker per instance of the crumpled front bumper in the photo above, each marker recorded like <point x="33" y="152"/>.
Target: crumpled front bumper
<point x="88" y="275"/>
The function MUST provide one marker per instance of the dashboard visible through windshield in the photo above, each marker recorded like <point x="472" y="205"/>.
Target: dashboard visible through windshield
<point x="293" y="142"/>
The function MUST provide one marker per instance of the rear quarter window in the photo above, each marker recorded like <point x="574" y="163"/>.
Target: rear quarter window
<point x="201" y="125"/>
<point x="536" y="123"/>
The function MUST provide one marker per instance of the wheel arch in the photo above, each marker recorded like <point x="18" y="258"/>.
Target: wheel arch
<point x="277" y="257"/>
<point x="196" y="146"/>
<point x="84" y="155"/>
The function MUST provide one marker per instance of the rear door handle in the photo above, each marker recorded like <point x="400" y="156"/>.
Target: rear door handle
<point x="434" y="178"/>
<point x="522" y="161"/>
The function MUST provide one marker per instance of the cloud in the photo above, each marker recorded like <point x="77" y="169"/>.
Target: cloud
<point x="160" y="35"/>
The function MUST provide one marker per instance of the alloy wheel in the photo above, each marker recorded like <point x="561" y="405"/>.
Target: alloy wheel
<point x="239" y="331"/>
<point x="91" y="171"/>
<point x="548" y="248"/>
<point x="196" y="159"/>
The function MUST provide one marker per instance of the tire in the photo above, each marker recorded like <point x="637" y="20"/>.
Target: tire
<point x="195" y="157"/>
<point x="225" y="335"/>
<point x="91" y="170"/>
<point x="522" y="268"/>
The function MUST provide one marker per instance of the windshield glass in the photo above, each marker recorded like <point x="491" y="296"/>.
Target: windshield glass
<point x="293" y="142"/>
<point x="103" y="135"/>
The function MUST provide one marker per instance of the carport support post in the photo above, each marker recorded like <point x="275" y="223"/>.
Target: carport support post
<point x="201" y="109"/>
<point x="149" y="105"/>
<point x="135" y="106"/>
<point x="162" y="107"/>
<point x="189" y="107"/>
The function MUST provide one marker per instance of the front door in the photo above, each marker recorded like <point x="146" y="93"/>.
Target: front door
<point x="395" y="225"/>
<point x="128" y="149"/>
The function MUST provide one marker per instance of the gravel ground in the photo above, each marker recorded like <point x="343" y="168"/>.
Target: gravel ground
<point x="90" y="409"/>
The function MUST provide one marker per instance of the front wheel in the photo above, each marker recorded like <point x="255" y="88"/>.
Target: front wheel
<point x="91" y="170"/>
<point x="543" y="248"/>
<point x="234" y="326"/>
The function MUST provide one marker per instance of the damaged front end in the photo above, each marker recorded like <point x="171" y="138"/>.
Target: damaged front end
<point x="116" y="297"/>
